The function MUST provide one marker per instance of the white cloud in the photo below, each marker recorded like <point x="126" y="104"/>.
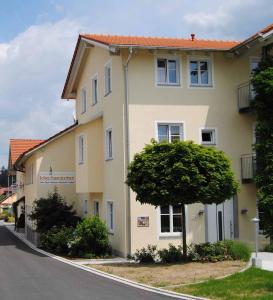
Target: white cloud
<point x="33" y="67"/>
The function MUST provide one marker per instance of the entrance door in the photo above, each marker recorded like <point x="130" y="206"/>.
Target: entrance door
<point x="219" y="222"/>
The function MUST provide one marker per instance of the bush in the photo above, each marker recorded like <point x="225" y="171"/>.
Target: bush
<point x="21" y="221"/>
<point x="53" y="211"/>
<point x="146" y="255"/>
<point x="239" y="250"/>
<point x="57" y="239"/>
<point x="222" y="250"/>
<point x="171" y="255"/>
<point x="268" y="248"/>
<point x="90" y="238"/>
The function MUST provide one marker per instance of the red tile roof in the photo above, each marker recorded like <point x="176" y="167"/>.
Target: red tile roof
<point x="160" y="42"/>
<point x="19" y="146"/>
<point x="266" y="29"/>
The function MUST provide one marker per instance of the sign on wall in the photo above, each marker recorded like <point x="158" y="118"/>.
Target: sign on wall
<point x="57" y="177"/>
<point x="142" y="221"/>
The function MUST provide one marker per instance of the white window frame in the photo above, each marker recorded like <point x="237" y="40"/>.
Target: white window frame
<point x="208" y="59"/>
<point x="110" y="216"/>
<point x="108" y="153"/>
<point x="94" y="91"/>
<point x="96" y="208"/>
<point x="85" y="207"/>
<point x="83" y="100"/>
<point x="171" y="233"/>
<point x="181" y="125"/>
<point x="178" y="71"/>
<point x="106" y="90"/>
<point x="214" y="136"/>
<point x="81" y="141"/>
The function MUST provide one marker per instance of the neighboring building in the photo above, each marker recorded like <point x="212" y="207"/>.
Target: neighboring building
<point x="128" y="90"/>
<point x="48" y="166"/>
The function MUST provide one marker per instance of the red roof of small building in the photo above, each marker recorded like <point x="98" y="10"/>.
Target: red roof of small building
<point x="119" y="40"/>
<point x="19" y="146"/>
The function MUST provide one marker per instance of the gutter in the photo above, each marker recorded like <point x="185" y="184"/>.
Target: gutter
<point x="127" y="148"/>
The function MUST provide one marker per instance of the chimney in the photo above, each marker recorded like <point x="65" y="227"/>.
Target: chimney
<point x="193" y="36"/>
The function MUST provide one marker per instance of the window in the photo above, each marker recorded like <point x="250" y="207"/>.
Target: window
<point x="29" y="174"/>
<point x="94" y="90"/>
<point x="200" y="72"/>
<point x="83" y="101"/>
<point x="208" y="137"/>
<point x="170" y="219"/>
<point x="96" y="208"/>
<point x="110" y="216"/>
<point x="81" y="149"/>
<point x="109" y="144"/>
<point x="107" y="79"/>
<point x="85" y="207"/>
<point x="170" y="132"/>
<point x="168" y="71"/>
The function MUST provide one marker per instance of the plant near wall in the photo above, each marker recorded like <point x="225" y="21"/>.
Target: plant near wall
<point x="262" y="105"/>
<point x="53" y="211"/>
<point x="181" y="173"/>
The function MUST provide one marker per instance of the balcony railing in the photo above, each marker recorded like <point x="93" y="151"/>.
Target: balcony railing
<point x="248" y="167"/>
<point x="245" y="95"/>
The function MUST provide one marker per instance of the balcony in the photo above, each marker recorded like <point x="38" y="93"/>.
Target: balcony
<point x="248" y="167"/>
<point x="245" y="95"/>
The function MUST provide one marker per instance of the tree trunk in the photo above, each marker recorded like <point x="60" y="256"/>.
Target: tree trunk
<point x="184" y="237"/>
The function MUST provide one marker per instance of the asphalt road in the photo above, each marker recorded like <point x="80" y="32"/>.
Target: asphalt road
<point x="28" y="275"/>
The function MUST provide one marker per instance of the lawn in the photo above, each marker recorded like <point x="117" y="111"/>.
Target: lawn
<point x="252" y="284"/>
<point x="161" y="275"/>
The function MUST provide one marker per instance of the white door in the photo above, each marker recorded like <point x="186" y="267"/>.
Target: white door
<point x="219" y="222"/>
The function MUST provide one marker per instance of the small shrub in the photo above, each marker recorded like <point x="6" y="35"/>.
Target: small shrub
<point x="146" y="255"/>
<point x="57" y="239"/>
<point x="239" y="250"/>
<point x="268" y="248"/>
<point x="91" y="237"/>
<point x="171" y="255"/>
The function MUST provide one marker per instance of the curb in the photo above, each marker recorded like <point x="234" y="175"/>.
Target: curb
<point x="106" y="275"/>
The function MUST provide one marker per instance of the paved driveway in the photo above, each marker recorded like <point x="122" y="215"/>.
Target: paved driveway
<point x="28" y="275"/>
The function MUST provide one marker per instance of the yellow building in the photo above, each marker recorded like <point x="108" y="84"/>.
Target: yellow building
<point x="128" y="90"/>
<point x="46" y="166"/>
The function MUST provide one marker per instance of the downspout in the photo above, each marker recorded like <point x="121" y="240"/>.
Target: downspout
<point x="127" y="148"/>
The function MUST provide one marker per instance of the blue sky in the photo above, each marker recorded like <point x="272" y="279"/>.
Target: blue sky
<point x="37" y="39"/>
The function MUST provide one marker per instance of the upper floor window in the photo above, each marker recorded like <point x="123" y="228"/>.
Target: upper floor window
<point x="200" y="72"/>
<point x="95" y="90"/>
<point x="208" y="136"/>
<point x="170" y="132"/>
<point x="167" y="71"/>
<point x="83" y="101"/>
<point x="170" y="219"/>
<point x="81" y="149"/>
<point x="107" y="79"/>
<point x="109" y="144"/>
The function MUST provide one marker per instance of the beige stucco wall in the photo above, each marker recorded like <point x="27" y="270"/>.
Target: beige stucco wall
<point x="59" y="155"/>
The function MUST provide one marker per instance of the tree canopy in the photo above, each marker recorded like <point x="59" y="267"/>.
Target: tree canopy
<point x="181" y="172"/>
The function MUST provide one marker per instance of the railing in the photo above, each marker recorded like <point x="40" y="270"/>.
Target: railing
<point x="248" y="167"/>
<point x="245" y="95"/>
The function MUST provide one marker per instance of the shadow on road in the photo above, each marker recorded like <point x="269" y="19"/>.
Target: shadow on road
<point x="8" y="239"/>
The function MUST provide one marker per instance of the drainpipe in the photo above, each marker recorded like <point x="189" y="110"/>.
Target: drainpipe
<point x="127" y="148"/>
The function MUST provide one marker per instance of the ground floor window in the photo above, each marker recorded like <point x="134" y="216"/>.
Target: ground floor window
<point x="110" y="216"/>
<point x="85" y="207"/>
<point x="96" y="208"/>
<point x="170" y="219"/>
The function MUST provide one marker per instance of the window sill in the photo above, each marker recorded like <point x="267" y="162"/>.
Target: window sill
<point x="208" y="144"/>
<point x="110" y="232"/>
<point x="170" y="236"/>
<point x="201" y="86"/>
<point x="168" y="84"/>
<point x="83" y="112"/>
<point x="109" y="158"/>
<point x="93" y="104"/>
<point x="106" y="94"/>
<point x="80" y="163"/>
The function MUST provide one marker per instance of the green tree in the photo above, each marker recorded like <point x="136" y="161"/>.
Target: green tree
<point x="262" y="105"/>
<point x="181" y="173"/>
<point x="53" y="211"/>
